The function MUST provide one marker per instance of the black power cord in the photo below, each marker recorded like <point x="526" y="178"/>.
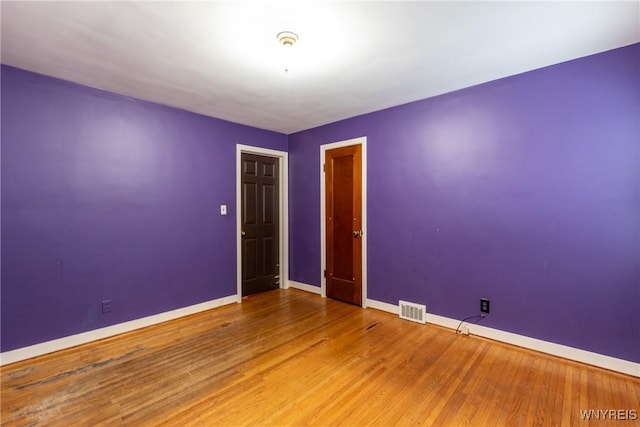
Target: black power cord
<point x="480" y="316"/>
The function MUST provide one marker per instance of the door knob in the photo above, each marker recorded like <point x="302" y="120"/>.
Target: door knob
<point x="242" y="233"/>
<point x="357" y="233"/>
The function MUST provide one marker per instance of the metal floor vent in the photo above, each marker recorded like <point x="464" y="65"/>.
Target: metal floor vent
<point x="413" y="312"/>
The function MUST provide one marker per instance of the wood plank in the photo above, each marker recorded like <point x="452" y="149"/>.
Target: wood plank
<point x="293" y="358"/>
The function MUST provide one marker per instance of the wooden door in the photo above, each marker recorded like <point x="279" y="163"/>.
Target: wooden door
<point x="260" y="219"/>
<point x="343" y="191"/>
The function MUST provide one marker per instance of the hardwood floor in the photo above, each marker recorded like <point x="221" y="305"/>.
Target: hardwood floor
<point x="292" y="358"/>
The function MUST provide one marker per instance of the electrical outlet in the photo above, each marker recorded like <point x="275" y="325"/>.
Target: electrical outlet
<point x="465" y="330"/>
<point x="484" y="305"/>
<point x="106" y="306"/>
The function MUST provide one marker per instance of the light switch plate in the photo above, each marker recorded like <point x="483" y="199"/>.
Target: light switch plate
<point x="223" y="209"/>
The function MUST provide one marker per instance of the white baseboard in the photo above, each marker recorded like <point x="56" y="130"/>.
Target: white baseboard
<point x="383" y="306"/>
<point x="109" y="331"/>
<point x="566" y="352"/>
<point x="304" y="287"/>
<point x="583" y="356"/>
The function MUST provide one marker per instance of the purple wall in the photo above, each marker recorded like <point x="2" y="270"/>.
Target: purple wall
<point x="525" y="190"/>
<point x="108" y="197"/>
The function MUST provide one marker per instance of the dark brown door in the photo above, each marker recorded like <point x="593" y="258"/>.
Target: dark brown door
<point x="260" y="218"/>
<point x="343" y="185"/>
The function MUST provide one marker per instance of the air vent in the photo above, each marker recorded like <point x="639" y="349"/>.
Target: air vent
<point x="413" y="312"/>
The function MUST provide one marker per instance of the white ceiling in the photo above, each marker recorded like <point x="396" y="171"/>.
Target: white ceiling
<point x="222" y="59"/>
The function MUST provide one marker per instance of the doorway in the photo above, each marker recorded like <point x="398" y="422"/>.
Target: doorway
<point x="343" y="221"/>
<point x="260" y="234"/>
<point x="261" y="220"/>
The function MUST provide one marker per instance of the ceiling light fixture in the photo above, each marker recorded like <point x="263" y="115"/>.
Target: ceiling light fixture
<point x="287" y="39"/>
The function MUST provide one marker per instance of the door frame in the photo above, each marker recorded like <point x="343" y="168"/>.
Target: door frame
<point x="283" y="218"/>
<point x="362" y="141"/>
